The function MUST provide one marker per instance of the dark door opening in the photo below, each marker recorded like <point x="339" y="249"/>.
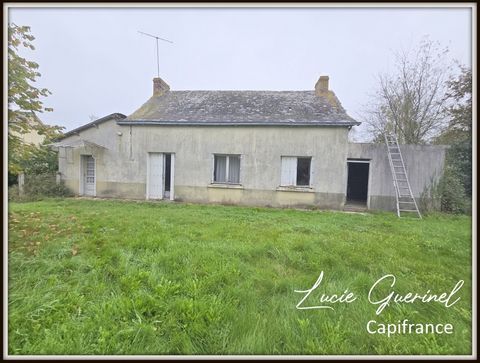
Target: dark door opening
<point x="168" y="172"/>
<point x="357" y="183"/>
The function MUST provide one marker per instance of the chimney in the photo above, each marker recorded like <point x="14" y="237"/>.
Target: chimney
<point x="160" y="87"/>
<point x="321" y="87"/>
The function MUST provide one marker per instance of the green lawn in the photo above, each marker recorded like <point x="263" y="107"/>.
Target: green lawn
<point x="113" y="277"/>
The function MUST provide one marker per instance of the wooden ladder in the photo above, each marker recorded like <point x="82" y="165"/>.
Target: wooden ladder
<point x="403" y="192"/>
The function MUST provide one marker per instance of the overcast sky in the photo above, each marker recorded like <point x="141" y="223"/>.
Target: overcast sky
<point x="95" y="62"/>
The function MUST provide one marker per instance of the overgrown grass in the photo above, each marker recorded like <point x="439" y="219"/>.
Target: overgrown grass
<point x="113" y="277"/>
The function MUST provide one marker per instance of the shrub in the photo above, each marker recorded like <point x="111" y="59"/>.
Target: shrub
<point x="447" y="193"/>
<point x="453" y="196"/>
<point x="431" y="197"/>
<point x="459" y="157"/>
<point x="39" y="186"/>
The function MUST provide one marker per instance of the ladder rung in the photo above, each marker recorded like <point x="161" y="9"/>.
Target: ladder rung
<point x="399" y="173"/>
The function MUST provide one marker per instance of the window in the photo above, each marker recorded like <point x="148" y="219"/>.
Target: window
<point x="295" y="171"/>
<point x="226" y="169"/>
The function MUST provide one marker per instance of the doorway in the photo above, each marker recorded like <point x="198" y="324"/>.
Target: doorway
<point x="160" y="180"/>
<point x="168" y="175"/>
<point x="88" y="176"/>
<point x="357" y="182"/>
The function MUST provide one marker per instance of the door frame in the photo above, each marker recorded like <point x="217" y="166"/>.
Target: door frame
<point x="81" y="184"/>
<point x="172" y="175"/>
<point x="369" y="179"/>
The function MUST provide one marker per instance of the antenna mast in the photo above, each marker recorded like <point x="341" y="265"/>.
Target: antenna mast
<point x="156" y="39"/>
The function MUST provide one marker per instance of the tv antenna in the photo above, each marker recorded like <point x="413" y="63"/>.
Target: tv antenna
<point x="156" y="39"/>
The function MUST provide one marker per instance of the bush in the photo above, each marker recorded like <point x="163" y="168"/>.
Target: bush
<point x="12" y="179"/>
<point x="446" y="194"/>
<point x="43" y="161"/>
<point x="38" y="187"/>
<point x="452" y="191"/>
<point x="459" y="157"/>
<point x="431" y="197"/>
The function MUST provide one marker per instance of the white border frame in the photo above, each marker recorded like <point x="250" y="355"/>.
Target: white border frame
<point x="472" y="6"/>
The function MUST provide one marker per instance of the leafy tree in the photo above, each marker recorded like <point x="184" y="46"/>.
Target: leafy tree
<point x="459" y="94"/>
<point x="411" y="100"/>
<point x="458" y="133"/>
<point x="24" y="99"/>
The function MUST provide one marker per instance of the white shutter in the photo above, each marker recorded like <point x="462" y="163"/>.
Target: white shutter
<point x="155" y="187"/>
<point x="289" y="171"/>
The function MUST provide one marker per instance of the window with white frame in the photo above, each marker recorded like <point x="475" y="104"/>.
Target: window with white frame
<point x="226" y="169"/>
<point x="296" y="171"/>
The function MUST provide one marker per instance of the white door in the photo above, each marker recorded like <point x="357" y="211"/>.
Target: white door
<point x="155" y="176"/>
<point x="89" y="176"/>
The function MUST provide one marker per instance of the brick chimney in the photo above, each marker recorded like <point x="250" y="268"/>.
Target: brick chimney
<point x="160" y="87"/>
<point x="321" y="87"/>
<point x="321" y="90"/>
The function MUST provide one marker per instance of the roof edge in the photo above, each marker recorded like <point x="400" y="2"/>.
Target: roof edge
<point x="223" y="123"/>
<point x="116" y="116"/>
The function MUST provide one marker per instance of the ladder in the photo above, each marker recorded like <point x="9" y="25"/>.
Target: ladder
<point x="404" y="197"/>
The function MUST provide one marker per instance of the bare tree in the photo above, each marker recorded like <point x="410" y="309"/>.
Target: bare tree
<point x="411" y="100"/>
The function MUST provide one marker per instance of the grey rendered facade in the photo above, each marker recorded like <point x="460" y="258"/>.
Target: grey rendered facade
<point x="194" y="134"/>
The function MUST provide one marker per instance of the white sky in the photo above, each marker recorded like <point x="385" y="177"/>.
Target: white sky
<point x="95" y="62"/>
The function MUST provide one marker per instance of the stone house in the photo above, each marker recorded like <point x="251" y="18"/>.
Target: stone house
<point x="264" y="148"/>
<point x="32" y="136"/>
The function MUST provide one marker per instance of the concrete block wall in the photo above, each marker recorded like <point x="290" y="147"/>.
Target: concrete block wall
<point x="423" y="163"/>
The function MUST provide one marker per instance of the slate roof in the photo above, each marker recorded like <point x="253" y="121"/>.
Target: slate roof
<point x="242" y="108"/>
<point x="115" y="116"/>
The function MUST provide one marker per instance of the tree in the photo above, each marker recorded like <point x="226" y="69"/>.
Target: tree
<point x="411" y="100"/>
<point x="24" y="99"/>
<point x="458" y="132"/>
<point x="459" y="94"/>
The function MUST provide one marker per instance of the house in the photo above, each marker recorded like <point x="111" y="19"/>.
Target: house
<point x="265" y="148"/>
<point x="32" y="136"/>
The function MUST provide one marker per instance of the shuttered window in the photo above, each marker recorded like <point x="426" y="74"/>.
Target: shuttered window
<point x="295" y="171"/>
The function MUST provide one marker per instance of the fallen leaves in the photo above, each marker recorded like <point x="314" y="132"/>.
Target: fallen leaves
<point x="74" y="250"/>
